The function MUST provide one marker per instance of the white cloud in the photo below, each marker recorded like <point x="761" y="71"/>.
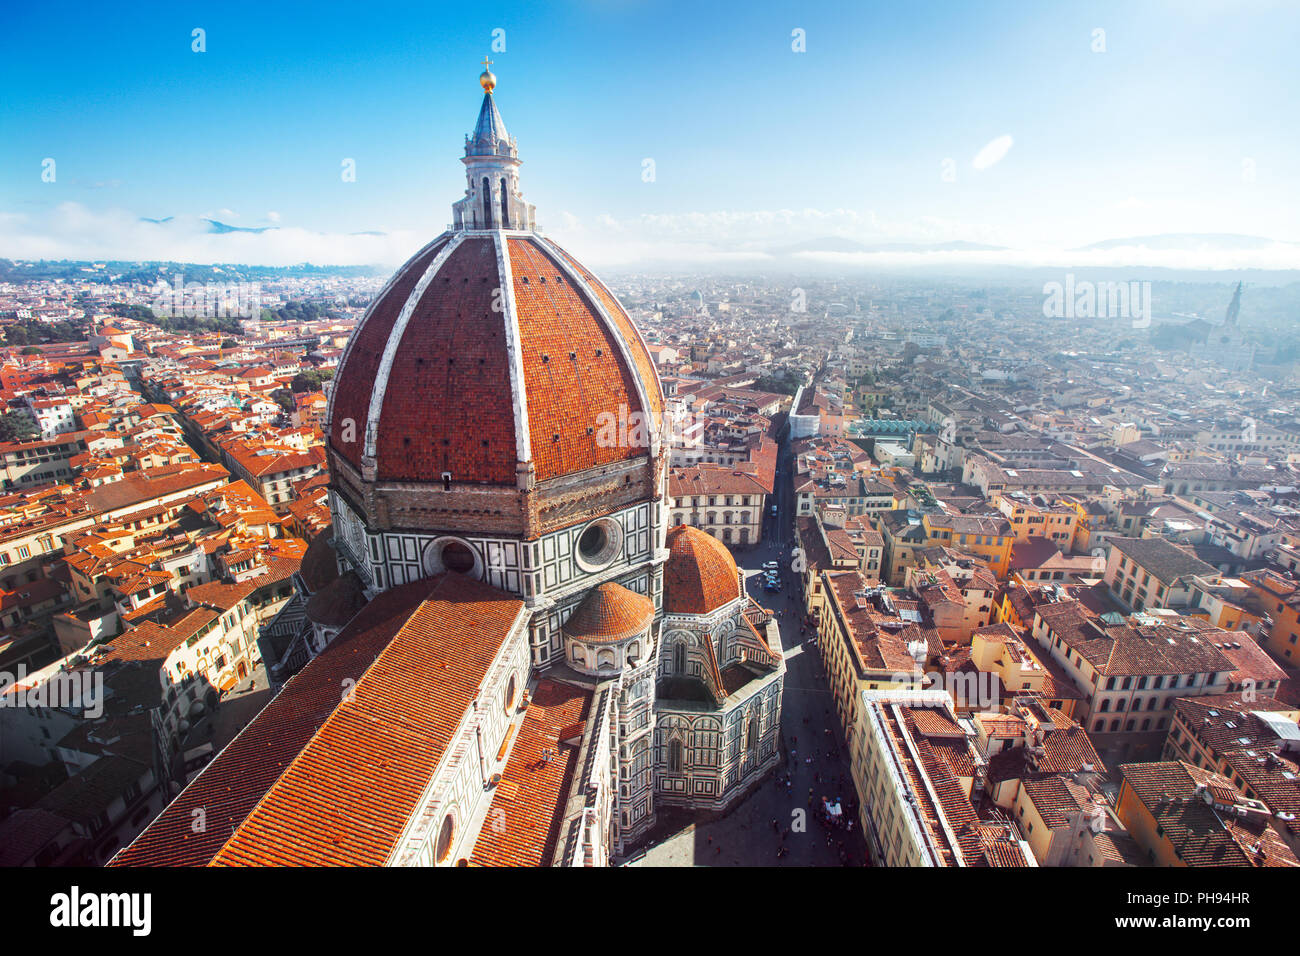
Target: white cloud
<point x="992" y="153"/>
<point x="72" y="231"/>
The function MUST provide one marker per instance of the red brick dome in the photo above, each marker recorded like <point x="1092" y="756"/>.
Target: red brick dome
<point x="609" y="613"/>
<point x="700" y="575"/>
<point x="489" y="353"/>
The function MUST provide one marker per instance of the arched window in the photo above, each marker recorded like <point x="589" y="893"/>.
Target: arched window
<point x="633" y="652"/>
<point x="675" y="756"/>
<point x="605" y="659"/>
<point x="679" y="658"/>
<point x="456" y="557"/>
<point x="505" y="209"/>
<point x="751" y="736"/>
<point x="487" y="204"/>
<point x="445" y="834"/>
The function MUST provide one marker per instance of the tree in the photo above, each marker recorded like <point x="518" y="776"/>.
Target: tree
<point x="285" y="399"/>
<point x="229" y="344"/>
<point x="178" y="323"/>
<point x="17" y="335"/>
<point x="786" y="383"/>
<point x="31" y="350"/>
<point x="18" y="426"/>
<point x="310" y="380"/>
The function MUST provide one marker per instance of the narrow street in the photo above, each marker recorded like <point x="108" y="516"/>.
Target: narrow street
<point x="815" y="763"/>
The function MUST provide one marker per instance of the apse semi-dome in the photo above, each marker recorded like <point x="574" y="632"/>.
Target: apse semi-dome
<point x="492" y="357"/>
<point x="610" y="613"/>
<point x="700" y="575"/>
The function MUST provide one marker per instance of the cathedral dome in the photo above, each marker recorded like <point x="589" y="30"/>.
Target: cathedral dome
<point x="492" y="357"/>
<point x="700" y="575"/>
<point x="608" y="614"/>
<point x="487" y="351"/>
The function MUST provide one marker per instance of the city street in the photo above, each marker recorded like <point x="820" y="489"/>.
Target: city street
<point x="815" y="763"/>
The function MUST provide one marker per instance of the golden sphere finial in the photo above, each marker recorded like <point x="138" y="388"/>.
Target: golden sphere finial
<point x="486" y="79"/>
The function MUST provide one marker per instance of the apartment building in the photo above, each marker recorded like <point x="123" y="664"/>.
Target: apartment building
<point x="1145" y="573"/>
<point x="915" y="770"/>
<point x="1132" y="670"/>
<point x="1254" y="744"/>
<point x="1181" y="815"/>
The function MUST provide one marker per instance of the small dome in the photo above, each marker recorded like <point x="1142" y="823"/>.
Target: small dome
<point x="700" y="575"/>
<point x="610" y="613"/>
<point x="338" y="602"/>
<point x="320" y="566"/>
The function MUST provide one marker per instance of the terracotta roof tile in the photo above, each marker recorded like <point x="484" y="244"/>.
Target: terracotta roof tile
<point x="573" y="369"/>
<point x="448" y="403"/>
<point x="351" y="394"/>
<point x="533" y="791"/>
<point x="317" y="779"/>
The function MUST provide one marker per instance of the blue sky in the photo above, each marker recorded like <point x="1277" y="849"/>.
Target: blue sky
<point x="1186" y="123"/>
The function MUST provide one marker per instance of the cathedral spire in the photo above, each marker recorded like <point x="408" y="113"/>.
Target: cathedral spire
<point x="1234" y="307"/>
<point x="492" y="197"/>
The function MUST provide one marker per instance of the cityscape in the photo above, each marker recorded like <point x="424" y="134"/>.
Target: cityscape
<point x="846" y="550"/>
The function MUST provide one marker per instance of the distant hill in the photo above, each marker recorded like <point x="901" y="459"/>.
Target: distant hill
<point x="841" y="244"/>
<point x="221" y="227"/>
<point x="215" y="226"/>
<point x="1189" y="241"/>
<point x="150" y="272"/>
